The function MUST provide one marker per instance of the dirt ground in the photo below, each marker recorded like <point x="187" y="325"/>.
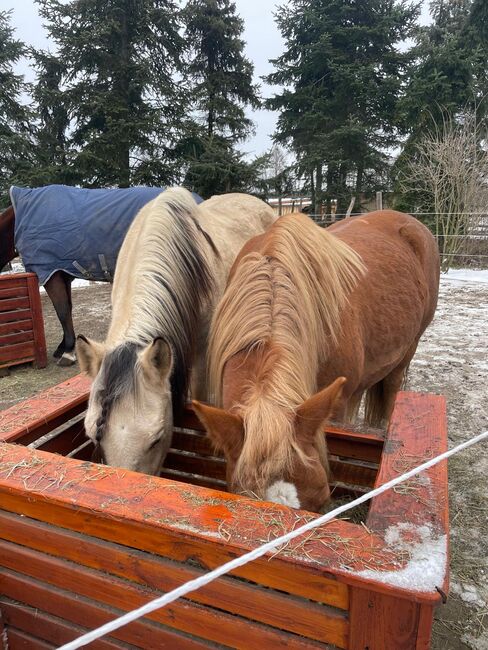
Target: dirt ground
<point x="452" y="359"/>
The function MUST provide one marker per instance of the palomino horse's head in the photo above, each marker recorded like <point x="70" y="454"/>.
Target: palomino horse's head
<point x="129" y="416"/>
<point x="293" y="473"/>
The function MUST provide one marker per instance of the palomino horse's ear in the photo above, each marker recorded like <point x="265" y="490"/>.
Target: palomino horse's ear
<point x="224" y="429"/>
<point x="90" y="355"/>
<point x="313" y="413"/>
<point x="156" y="359"/>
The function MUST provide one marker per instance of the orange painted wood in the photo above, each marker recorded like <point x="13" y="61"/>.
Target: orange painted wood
<point x="79" y="610"/>
<point x="49" y="628"/>
<point x="298" y="616"/>
<point x="417" y="432"/>
<point x="352" y="473"/>
<point x="194" y="479"/>
<point x="19" y="352"/>
<point x="10" y="304"/>
<point x="64" y="439"/>
<point x="382" y="622"/>
<point x="203" y="622"/>
<point x="175" y="520"/>
<point x="37" y="317"/>
<point x="424" y="634"/>
<point x="18" y="640"/>
<point x="16" y="326"/>
<point x="47" y="410"/>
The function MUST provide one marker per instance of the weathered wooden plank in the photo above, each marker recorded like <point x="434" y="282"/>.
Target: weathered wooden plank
<point x="417" y="432"/>
<point x="18" y="640"/>
<point x="64" y="438"/>
<point x="36" y="308"/>
<point x="49" y="628"/>
<point x="262" y="605"/>
<point x="382" y="622"/>
<point x="16" y="326"/>
<point x="193" y="479"/>
<point x="18" y="291"/>
<point x="17" y="352"/>
<point x="16" y="337"/>
<point x="11" y="304"/>
<point x="352" y="473"/>
<point x="203" y="622"/>
<point x="188" y="462"/>
<point x="17" y="314"/>
<point x="73" y="607"/>
<point x="26" y="421"/>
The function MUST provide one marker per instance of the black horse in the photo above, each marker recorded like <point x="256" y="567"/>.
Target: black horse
<point x="57" y="280"/>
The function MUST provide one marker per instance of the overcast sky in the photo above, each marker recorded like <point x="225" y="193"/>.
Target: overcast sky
<point x="263" y="42"/>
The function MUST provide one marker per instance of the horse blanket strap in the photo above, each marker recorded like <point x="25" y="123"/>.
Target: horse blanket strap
<point x="76" y="230"/>
<point x="82" y="270"/>
<point x="105" y="269"/>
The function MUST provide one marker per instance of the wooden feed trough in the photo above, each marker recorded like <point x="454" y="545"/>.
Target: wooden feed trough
<point x="21" y="324"/>
<point x="82" y="543"/>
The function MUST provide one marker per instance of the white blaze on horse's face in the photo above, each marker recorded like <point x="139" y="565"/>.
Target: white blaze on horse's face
<point x="284" y="493"/>
<point x="130" y="415"/>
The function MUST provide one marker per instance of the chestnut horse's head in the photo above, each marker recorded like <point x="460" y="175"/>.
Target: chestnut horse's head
<point x="7" y="228"/>
<point x="275" y="453"/>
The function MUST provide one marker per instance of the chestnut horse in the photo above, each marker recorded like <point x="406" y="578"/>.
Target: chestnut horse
<point x="311" y="319"/>
<point x="170" y="274"/>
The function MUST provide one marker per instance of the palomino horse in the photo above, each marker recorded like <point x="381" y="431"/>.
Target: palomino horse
<point x="66" y="232"/>
<point x="171" y="271"/>
<point x="306" y="308"/>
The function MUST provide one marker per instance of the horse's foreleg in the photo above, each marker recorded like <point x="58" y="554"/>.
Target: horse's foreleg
<point x="58" y="288"/>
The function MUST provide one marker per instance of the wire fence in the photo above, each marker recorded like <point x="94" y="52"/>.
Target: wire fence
<point x="466" y="249"/>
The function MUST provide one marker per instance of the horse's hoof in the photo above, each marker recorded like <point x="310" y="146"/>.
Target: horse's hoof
<point x="58" y="352"/>
<point x="67" y="359"/>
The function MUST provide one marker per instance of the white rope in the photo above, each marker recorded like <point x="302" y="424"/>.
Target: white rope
<point x="205" y="579"/>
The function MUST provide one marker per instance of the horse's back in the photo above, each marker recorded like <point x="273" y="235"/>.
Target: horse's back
<point x="395" y="246"/>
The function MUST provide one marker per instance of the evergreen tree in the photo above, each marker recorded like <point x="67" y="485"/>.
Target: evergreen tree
<point x="219" y="79"/>
<point x="15" y="137"/>
<point x="54" y="159"/>
<point x="118" y="58"/>
<point x="342" y="72"/>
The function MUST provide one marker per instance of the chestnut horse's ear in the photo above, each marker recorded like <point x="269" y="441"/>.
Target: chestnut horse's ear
<point x="90" y="355"/>
<point x="313" y="413"/>
<point x="156" y="360"/>
<point x="224" y="429"/>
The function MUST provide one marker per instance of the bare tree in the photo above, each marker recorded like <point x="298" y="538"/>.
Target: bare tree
<point x="278" y="173"/>
<point x="449" y="170"/>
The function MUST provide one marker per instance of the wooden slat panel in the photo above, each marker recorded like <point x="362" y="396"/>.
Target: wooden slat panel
<point x="48" y="628"/>
<point x="16" y="326"/>
<point x="186" y="462"/>
<point x="13" y="292"/>
<point x="16" y="337"/>
<point x="352" y="473"/>
<point x="79" y="610"/>
<point x="203" y="622"/>
<point x="262" y="605"/>
<point x="18" y="314"/>
<point x="193" y="479"/>
<point x="11" y="304"/>
<point x="161" y="517"/>
<point x="65" y="439"/>
<point x="17" y="352"/>
<point x="342" y="445"/>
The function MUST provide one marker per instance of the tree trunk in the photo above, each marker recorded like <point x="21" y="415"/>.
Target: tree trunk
<point x="312" y="190"/>
<point x="318" y="189"/>
<point x="123" y="156"/>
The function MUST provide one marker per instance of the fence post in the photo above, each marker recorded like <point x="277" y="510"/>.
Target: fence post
<point x="379" y="200"/>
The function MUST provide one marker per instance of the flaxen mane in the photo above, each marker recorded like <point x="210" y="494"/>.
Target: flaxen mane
<point x="281" y="301"/>
<point x="172" y="280"/>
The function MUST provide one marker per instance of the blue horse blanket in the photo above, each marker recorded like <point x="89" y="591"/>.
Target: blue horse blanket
<point x="79" y="231"/>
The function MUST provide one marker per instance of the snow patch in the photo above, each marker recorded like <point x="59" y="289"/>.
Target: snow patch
<point x="426" y="567"/>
